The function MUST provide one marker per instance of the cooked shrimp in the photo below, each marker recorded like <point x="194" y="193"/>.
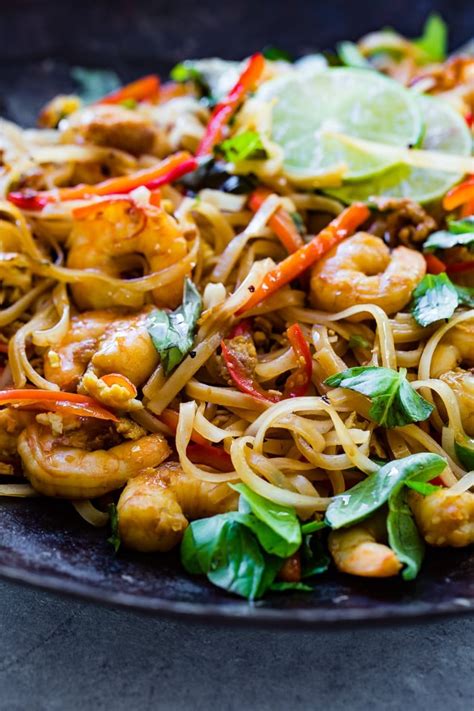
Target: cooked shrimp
<point x="73" y="473"/>
<point x="357" y="550"/>
<point x="362" y="270"/>
<point x="121" y="237"/>
<point x="155" y="506"/>
<point x="456" y="349"/>
<point x="100" y="343"/>
<point x="12" y="422"/>
<point x="114" y="126"/>
<point x="445" y="519"/>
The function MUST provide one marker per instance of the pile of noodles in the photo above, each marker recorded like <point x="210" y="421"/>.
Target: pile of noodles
<point x="299" y="452"/>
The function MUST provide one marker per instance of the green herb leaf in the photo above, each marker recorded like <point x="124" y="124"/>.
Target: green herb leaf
<point x="351" y="56"/>
<point x="129" y="104"/>
<point x="434" y="40"/>
<point x="314" y="556"/>
<point x="225" y="550"/>
<point x="275" y="55"/>
<point x="185" y="71"/>
<point x="114" y="538"/>
<point x="281" y="520"/>
<point x="403" y="536"/>
<point x="422" y="487"/>
<point x="357" y="341"/>
<point x="394" y="402"/>
<point x="244" y="146"/>
<point x="434" y="298"/>
<point x="464" y="449"/>
<point x="94" y="83"/>
<point x="462" y="226"/>
<point x="370" y="494"/>
<point x="173" y="333"/>
<point x="313" y="526"/>
<point x="284" y="587"/>
<point x="446" y="240"/>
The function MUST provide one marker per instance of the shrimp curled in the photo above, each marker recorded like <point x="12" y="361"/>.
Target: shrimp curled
<point x="356" y="550"/>
<point x="445" y="519"/>
<point x="155" y="506"/>
<point x="73" y="473"/>
<point x="362" y="270"/>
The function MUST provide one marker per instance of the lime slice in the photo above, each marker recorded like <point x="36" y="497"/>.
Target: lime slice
<point x="356" y="102"/>
<point x="445" y="131"/>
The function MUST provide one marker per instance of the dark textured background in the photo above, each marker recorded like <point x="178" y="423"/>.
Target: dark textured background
<point x="66" y="655"/>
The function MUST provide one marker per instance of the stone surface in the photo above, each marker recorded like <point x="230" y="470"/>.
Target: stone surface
<point x="58" y="654"/>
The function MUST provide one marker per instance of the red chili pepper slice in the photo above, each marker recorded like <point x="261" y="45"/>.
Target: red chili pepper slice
<point x="69" y="403"/>
<point x="226" y="108"/>
<point x="214" y="457"/>
<point x="433" y="264"/>
<point x="298" y="382"/>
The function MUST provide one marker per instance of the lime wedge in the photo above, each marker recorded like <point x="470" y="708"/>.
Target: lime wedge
<point x="445" y="131"/>
<point x="356" y="102"/>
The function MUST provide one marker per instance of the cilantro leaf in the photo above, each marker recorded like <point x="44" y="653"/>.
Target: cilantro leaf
<point x="94" y="83"/>
<point x="423" y="487"/>
<point x="276" y="55"/>
<point x="394" y="402"/>
<point x="371" y="493"/>
<point x="186" y="71"/>
<point x="114" y="538"/>
<point x="446" y="240"/>
<point x="434" y="39"/>
<point x="465" y="224"/>
<point x="403" y="536"/>
<point x="434" y="298"/>
<point x="172" y="333"/>
<point x="244" y="146"/>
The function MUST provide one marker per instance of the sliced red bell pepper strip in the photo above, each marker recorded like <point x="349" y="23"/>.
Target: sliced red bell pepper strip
<point x="144" y="89"/>
<point x="167" y="171"/>
<point x="295" y="264"/>
<point x="70" y="403"/>
<point x="226" y="108"/>
<point x="298" y="382"/>
<point x="242" y="377"/>
<point x="437" y="481"/>
<point x="459" y="267"/>
<point x="433" y="264"/>
<point x="459" y="195"/>
<point x="280" y="222"/>
<point x="211" y="456"/>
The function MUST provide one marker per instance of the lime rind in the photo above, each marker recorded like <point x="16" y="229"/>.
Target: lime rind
<point x="445" y="131"/>
<point x="356" y="102"/>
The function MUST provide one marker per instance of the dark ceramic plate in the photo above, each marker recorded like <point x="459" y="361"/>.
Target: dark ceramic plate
<point x="45" y="543"/>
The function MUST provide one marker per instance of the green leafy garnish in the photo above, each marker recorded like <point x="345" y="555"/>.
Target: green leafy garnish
<point x="313" y="526"/>
<point x="314" y="556"/>
<point x="284" y="587"/>
<point x="394" y="402"/>
<point x="436" y="297"/>
<point x="351" y="56"/>
<point x="434" y="39"/>
<point x="186" y="71"/>
<point x="446" y="240"/>
<point x="275" y="55"/>
<point x="465" y="224"/>
<point x="422" y="487"/>
<point x="357" y="341"/>
<point x="94" y="83"/>
<point x="464" y="448"/>
<point x="403" y="536"/>
<point x="244" y="146"/>
<point x="172" y="333"/>
<point x="114" y="538"/>
<point x="370" y="494"/>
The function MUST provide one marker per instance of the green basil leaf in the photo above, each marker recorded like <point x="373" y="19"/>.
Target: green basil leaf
<point x="114" y="538"/>
<point x="465" y="452"/>
<point x="434" y="298"/>
<point x="423" y="488"/>
<point x="370" y="494"/>
<point x="357" y="341"/>
<point x="465" y="295"/>
<point x="403" y="536"/>
<point x="284" y="587"/>
<point x="276" y="55"/>
<point x="224" y="548"/>
<point x="434" y="39"/>
<point x="314" y="556"/>
<point x="94" y="83"/>
<point x="463" y="226"/>
<point x="173" y="333"/>
<point x="351" y="56"/>
<point x="394" y="402"/>
<point x="446" y="240"/>
<point x="244" y="146"/>
<point x="281" y="520"/>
